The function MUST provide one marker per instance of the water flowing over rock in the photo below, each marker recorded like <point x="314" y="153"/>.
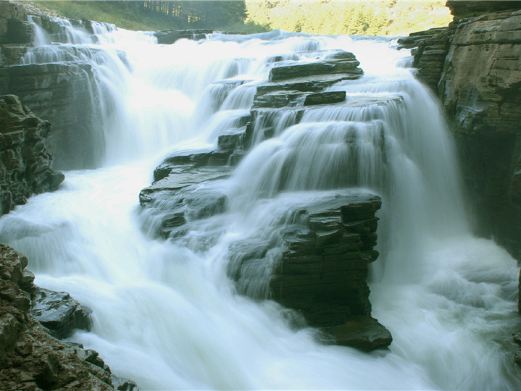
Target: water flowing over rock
<point x="240" y="268"/>
<point x="29" y="357"/>
<point x="25" y="163"/>
<point x="60" y="84"/>
<point x="59" y="313"/>
<point x="482" y="103"/>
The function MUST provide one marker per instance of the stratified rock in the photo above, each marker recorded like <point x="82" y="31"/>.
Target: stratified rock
<point x="315" y="83"/>
<point x="59" y="313"/>
<point x="482" y="103"/>
<point x="321" y="271"/>
<point x="469" y="8"/>
<point x="25" y="163"/>
<point x="30" y="359"/>
<point x="431" y="48"/>
<point x="177" y="198"/>
<point x="293" y="70"/>
<point x="14" y="28"/>
<point x="62" y="93"/>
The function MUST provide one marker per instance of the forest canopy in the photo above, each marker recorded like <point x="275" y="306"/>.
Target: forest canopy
<point x="373" y="17"/>
<point x="366" y="17"/>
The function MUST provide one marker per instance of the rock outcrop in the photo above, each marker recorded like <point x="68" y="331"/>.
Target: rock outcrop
<point x="478" y="80"/>
<point x="316" y="261"/>
<point x="25" y="163"/>
<point x="320" y="269"/>
<point x="58" y="82"/>
<point x="30" y="358"/>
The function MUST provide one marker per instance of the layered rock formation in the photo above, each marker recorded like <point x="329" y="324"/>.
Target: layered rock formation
<point x="475" y="67"/>
<point x="57" y="83"/>
<point x="30" y="358"/>
<point x="316" y="261"/>
<point x="25" y="163"/>
<point x="319" y="267"/>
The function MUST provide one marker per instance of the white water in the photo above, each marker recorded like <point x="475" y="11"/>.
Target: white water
<point x="165" y="314"/>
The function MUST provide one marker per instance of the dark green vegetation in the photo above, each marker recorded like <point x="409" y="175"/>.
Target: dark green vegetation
<point x="377" y="17"/>
<point x="158" y="15"/>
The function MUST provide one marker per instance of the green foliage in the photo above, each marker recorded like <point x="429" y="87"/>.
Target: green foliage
<point x="370" y="17"/>
<point x="367" y="17"/>
<point x="158" y="15"/>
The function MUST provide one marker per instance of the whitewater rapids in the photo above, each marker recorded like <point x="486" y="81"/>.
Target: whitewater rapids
<point x="167" y="316"/>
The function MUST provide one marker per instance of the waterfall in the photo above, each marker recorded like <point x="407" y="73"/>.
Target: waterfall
<point x="165" y="313"/>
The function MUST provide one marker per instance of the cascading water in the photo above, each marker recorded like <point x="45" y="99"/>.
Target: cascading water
<point x="165" y="313"/>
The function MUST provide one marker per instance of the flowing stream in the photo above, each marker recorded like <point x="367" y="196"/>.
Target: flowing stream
<point x="165" y="313"/>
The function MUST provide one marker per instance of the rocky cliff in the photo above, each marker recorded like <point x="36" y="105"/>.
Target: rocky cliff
<point x="25" y="163"/>
<point x="30" y="358"/>
<point x="474" y="65"/>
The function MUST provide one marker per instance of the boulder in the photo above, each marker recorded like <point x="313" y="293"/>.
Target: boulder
<point x="59" y="313"/>
<point x="363" y="333"/>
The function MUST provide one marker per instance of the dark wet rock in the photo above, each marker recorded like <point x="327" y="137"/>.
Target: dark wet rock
<point x="11" y="54"/>
<point x="416" y="38"/>
<point x="321" y="98"/>
<point x="62" y="94"/>
<point x="25" y="163"/>
<point x="179" y="198"/>
<point x="364" y="333"/>
<point x="469" y="8"/>
<point x="123" y="384"/>
<point x="305" y="84"/>
<point x="30" y="358"/>
<point x="14" y="28"/>
<point x="171" y="36"/>
<point x="320" y="269"/>
<point x="429" y="55"/>
<point x="59" y="313"/>
<point x="279" y="99"/>
<point x="289" y="70"/>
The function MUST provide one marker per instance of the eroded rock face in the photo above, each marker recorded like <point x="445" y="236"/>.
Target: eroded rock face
<point x="317" y="264"/>
<point x="25" y="163"/>
<point x="479" y="83"/>
<point x="30" y="358"/>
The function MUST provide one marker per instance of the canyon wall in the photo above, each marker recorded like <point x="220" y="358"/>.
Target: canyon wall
<point x="474" y="65"/>
<point x="25" y="163"/>
<point x="59" y="85"/>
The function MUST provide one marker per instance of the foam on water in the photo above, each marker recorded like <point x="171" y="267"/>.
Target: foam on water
<point x="166" y="315"/>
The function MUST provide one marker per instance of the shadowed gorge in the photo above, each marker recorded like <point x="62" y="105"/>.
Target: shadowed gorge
<point x="270" y="210"/>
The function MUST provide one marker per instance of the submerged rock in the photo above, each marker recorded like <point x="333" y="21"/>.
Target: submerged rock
<point x="59" y="312"/>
